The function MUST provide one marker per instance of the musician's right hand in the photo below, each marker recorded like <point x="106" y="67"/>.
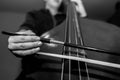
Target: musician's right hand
<point x="24" y="45"/>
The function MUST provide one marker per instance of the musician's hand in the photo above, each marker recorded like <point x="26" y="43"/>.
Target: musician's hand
<point x="80" y="8"/>
<point x="24" y="45"/>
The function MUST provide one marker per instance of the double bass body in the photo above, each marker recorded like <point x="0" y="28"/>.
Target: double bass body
<point x="94" y="34"/>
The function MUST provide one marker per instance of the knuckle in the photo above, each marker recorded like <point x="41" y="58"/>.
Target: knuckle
<point x="31" y="37"/>
<point x="22" y="38"/>
<point x="23" y="53"/>
<point x="10" y="46"/>
<point x="35" y="38"/>
<point x="10" y="39"/>
<point x="37" y="43"/>
<point x="21" y="46"/>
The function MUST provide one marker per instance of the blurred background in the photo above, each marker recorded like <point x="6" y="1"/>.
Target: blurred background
<point x="12" y="14"/>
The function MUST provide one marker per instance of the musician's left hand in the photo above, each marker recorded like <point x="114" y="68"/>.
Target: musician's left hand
<point x="80" y="8"/>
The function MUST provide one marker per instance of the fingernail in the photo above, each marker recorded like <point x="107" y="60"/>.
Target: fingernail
<point x="39" y="43"/>
<point x="38" y="48"/>
<point x="38" y="38"/>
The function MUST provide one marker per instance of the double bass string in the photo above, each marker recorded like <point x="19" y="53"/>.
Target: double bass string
<point x="69" y="48"/>
<point x="80" y="38"/>
<point x="68" y="39"/>
<point x="64" y="47"/>
<point x="82" y="50"/>
<point x="82" y="44"/>
<point x="79" y="70"/>
<point x="77" y="50"/>
<point x="63" y="64"/>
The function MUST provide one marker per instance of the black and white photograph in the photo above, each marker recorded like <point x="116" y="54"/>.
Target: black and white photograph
<point x="59" y="39"/>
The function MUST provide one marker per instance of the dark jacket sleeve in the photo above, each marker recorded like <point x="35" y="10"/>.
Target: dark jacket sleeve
<point x="38" y="21"/>
<point x="29" y="23"/>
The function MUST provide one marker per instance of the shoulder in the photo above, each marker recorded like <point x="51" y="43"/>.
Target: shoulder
<point x="38" y="12"/>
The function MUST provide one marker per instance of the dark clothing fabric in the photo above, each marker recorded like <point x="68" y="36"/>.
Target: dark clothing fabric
<point x="115" y="18"/>
<point x="42" y="21"/>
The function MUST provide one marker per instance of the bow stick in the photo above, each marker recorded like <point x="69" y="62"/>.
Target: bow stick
<point x="103" y="63"/>
<point x="46" y="40"/>
<point x="108" y="64"/>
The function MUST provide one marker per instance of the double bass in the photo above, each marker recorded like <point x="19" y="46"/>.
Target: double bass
<point x="80" y="49"/>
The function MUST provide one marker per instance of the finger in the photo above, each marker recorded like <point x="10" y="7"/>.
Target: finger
<point x="27" y="45"/>
<point x="18" y="39"/>
<point x="26" y="32"/>
<point x="26" y="52"/>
